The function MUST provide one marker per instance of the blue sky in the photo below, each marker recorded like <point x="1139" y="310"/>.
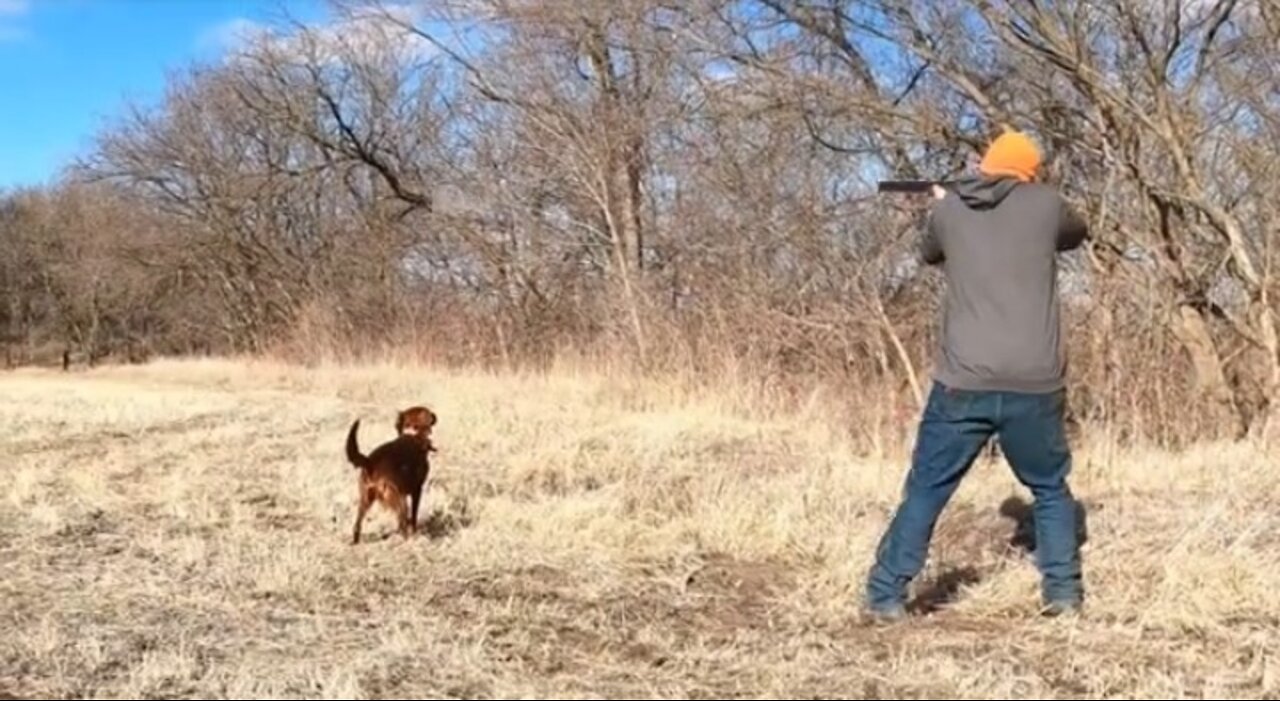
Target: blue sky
<point x="68" y="66"/>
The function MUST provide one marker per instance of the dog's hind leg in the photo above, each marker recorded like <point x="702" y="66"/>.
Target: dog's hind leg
<point x="366" y="500"/>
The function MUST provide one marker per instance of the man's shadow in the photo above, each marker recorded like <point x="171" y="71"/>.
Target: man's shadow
<point x="1020" y="511"/>
<point x="944" y="589"/>
<point x="937" y="593"/>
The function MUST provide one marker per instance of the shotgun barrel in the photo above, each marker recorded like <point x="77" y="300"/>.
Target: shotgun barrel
<point x="911" y="186"/>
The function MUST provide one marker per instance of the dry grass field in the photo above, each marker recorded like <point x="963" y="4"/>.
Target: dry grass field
<point x="181" y="530"/>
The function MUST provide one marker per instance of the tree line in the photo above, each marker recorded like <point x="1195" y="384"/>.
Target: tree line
<point x="678" y="185"/>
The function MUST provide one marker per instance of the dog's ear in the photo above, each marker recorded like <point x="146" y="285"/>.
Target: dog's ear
<point x="399" y="422"/>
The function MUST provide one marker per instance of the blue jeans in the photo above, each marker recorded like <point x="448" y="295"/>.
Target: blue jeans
<point x="955" y="426"/>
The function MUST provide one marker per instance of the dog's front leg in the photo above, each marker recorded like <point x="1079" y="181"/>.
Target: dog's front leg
<point x="417" y="500"/>
<point x="403" y="515"/>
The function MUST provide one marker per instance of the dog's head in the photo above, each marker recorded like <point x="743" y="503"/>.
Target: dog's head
<point x="417" y="420"/>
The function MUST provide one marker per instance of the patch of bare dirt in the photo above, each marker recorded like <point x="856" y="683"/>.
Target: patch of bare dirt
<point x="734" y="594"/>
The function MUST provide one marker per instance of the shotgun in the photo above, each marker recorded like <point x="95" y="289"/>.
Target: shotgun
<point x="919" y="187"/>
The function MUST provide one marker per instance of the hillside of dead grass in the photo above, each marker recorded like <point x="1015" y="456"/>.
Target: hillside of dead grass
<point x="180" y="530"/>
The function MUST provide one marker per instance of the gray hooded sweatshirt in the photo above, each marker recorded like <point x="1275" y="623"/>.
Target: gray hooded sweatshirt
<point x="997" y="241"/>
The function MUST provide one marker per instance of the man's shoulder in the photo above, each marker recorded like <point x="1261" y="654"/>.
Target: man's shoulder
<point x="1039" y="191"/>
<point x="1037" y="198"/>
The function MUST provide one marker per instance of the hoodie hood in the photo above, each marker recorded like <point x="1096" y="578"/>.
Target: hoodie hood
<point x="979" y="192"/>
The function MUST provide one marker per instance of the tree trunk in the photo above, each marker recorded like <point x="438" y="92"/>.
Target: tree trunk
<point x="1264" y="420"/>
<point x="1211" y="381"/>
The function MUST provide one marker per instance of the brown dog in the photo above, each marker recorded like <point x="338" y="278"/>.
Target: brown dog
<point x="395" y="471"/>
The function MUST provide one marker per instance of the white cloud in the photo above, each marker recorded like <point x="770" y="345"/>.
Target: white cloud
<point x="362" y="35"/>
<point x="10" y="10"/>
<point x="371" y="33"/>
<point x="1192" y="10"/>
<point x="13" y="8"/>
<point x="230" y="35"/>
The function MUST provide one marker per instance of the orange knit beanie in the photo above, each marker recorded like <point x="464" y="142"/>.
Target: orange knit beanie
<point x="1012" y="154"/>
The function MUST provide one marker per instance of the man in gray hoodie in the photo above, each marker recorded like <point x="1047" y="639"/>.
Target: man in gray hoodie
<point x="1000" y="370"/>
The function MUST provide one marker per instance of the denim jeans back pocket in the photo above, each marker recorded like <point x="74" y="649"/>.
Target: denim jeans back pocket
<point x="950" y="404"/>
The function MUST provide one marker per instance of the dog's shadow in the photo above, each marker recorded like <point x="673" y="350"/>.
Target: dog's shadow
<point x="1021" y="512"/>
<point x="444" y="521"/>
<point x="438" y="524"/>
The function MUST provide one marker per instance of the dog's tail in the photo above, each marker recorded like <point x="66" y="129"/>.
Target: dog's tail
<point x="354" y="456"/>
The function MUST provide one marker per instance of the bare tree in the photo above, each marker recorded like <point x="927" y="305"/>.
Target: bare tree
<point x="686" y="185"/>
